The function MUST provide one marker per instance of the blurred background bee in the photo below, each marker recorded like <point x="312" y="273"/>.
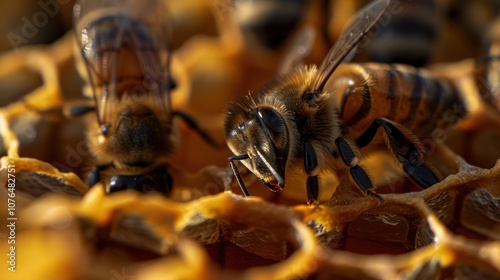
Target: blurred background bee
<point x="125" y="54"/>
<point x="312" y="121"/>
<point x="410" y="34"/>
<point x="268" y="23"/>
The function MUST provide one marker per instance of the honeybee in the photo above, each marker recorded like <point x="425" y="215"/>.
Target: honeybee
<point x="311" y="120"/>
<point x="124" y="49"/>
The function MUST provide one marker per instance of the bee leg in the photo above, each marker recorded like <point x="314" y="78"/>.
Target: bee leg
<point x="237" y="173"/>
<point x="311" y="168"/>
<point x="191" y="122"/>
<point x="95" y="175"/>
<point x="312" y="190"/>
<point x="407" y="149"/>
<point x="421" y="174"/>
<point x="357" y="172"/>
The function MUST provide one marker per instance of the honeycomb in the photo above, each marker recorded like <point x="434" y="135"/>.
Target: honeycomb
<point x="205" y="229"/>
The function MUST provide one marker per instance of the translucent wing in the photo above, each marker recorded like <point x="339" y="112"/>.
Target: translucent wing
<point x="300" y="47"/>
<point x="344" y="49"/>
<point x="126" y="48"/>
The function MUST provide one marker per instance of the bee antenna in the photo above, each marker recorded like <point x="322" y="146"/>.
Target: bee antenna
<point x="250" y="96"/>
<point x="264" y="127"/>
<point x="269" y="167"/>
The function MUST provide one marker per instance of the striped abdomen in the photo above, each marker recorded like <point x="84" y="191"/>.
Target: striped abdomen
<point x="404" y="94"/>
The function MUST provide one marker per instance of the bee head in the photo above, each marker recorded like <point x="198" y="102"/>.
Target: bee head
<point x="135" y="136"/>
<point x="262" y="135"/>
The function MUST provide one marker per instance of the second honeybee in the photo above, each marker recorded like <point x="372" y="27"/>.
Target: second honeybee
<point x="124" y="56"/>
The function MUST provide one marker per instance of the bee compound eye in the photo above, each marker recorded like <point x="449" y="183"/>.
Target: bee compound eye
<point x="272" y="119"/>
<point x="105" y="128"/>
<point x="161" y="182"/>
<point x="118" y="183"/>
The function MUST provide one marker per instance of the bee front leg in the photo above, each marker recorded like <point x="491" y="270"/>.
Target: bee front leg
<point x="237" y="173"/>
<point x="95" y="175"/>
<point x="311" y="168"/>
<point x="407" y="149"/>
<point x="357" y="172"/>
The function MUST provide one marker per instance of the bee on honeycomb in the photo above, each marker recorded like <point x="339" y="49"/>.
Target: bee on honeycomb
<point x="62" y="229"/>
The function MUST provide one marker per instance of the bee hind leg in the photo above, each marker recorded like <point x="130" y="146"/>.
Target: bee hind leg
<point x="406" y="148"/>
<point x="357" y="172"/>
